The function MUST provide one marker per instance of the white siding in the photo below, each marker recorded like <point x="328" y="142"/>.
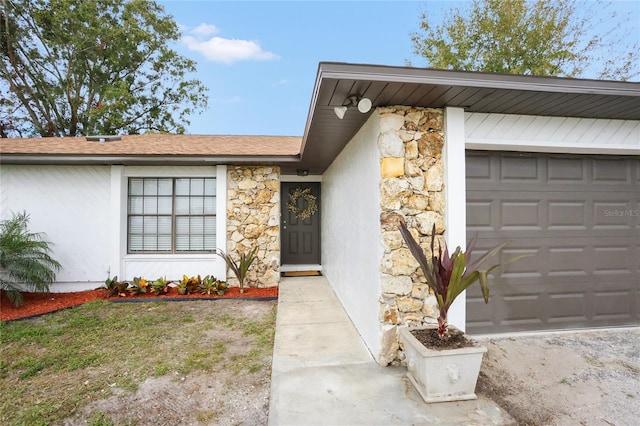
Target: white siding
<point x="71" y="205"/>
<point x="351" y="249"/>
<point x="551" y="134"/>
<point x="83" y="211"/>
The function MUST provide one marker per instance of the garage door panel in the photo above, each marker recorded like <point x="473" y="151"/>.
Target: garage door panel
<point x="566" y="170"/>
<point x="606" y="171"/>
<point x="519" y="168"/>
<point x="569" y="305"/>
<point x="578" y="217"/>
<point x="511" y="212"/>
<point x="614" y="304"/>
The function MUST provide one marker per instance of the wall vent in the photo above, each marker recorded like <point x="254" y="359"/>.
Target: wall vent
<point x="103" y="138"/>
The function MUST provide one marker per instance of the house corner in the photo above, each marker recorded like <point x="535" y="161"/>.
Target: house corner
<point x="412" y="188"/>
<point x="253" y="220"/>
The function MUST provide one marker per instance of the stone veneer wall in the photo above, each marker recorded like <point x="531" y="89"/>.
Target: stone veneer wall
<point x="253" y="219"/>
<point x="411" y="188"/>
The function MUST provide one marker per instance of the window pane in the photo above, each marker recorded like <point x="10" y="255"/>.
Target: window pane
<point x="135" y="186"/>
<point x="197" y="243"/>
<point x="167" y="214"/>
<point x="150" y="205"/>
<point x="135" y="224"/>
<point x="135" y="242"/>
<point x="182" y="186"/>
<point x="209" y="242"/>
<point x="209" y="186"/>
<point x="182" y="225"/>
<point x="164" y="242"/>
<point x="197" y="225"/>
<point x="196" y="206"/>
<point x="182" y="242"/>
<point x="197" y="186"/>
<point x="209" y="205"/>
<point x="135" y="205"/>
<point x="210" y="224"/>
<point x="164" y="205"/>
<point x="165" y="186"/>
<point x="150" y="242"/>
<point x="164" y="225"/>
<point x="150" y="186"/>
<point x="182" y="205"/>
<point x="150" y="225"/>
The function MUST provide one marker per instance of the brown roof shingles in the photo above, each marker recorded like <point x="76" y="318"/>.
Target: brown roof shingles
<point x="157" y="144"/>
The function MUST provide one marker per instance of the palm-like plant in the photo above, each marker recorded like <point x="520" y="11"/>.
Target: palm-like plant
<point x="240" y="267"/>
<point x="25" y="259"/>
<point x="448" y="275"/>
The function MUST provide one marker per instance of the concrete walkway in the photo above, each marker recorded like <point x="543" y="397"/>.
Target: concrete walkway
<point x="323" y="374"/>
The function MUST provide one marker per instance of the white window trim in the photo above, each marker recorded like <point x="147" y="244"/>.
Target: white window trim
<point x="118" y="210"/>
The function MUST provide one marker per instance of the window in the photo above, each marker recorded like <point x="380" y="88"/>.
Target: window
<point x="171" y="215"/>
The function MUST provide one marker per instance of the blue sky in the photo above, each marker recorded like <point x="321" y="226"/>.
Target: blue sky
<point x="259" y="58"/>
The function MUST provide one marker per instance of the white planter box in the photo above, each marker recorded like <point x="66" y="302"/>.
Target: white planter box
<point x="442" y="375"/>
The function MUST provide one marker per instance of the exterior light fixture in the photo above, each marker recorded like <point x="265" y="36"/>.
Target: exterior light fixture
<point x="305" y="172"/>
<point x="363" y="105"/>
<point x="340" y="111"/>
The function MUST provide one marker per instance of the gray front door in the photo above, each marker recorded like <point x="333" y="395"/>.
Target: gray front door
<point x="578" y="216"/>
<point x="300" y="241"/>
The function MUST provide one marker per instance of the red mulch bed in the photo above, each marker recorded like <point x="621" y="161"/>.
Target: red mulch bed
<point x="42" y="303"/>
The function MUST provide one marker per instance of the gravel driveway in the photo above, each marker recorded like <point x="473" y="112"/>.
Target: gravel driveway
<point x="566" y="378"/>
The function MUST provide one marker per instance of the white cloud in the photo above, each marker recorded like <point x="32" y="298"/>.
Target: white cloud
<point x="225" y="50"/>
<point x="204" y="30"/>
<point x="279" y="83"/>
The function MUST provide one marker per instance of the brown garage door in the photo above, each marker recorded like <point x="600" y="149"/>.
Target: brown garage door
<point x="578" y="216"/>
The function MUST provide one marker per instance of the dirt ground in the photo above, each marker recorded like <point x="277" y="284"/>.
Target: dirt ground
<point x="221" y="397"/>
<point x="576" y="378"/>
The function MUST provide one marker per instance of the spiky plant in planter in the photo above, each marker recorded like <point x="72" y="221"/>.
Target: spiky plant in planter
<point x="448" y="275"/>
<point x="25" y="259"/>
<point x="241" y="267"/>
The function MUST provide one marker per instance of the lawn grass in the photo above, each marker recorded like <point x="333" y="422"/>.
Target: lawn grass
<point x="53" y="366"/>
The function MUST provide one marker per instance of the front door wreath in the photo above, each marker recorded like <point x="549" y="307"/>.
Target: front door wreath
<point x="309" y="206"/>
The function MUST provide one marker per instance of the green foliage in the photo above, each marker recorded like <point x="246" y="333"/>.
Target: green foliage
<point x="159" y="286"/>
<point x="188" y="285"/>
<point x="542" y="37"/>
<point x="241" y="267"/>
<point x="115" y="287"/>
<point x="75" y="67"/>
<point x="25" y="259"/>
<point x="211" y="285"/>
<point x="449" y="275"/>
<point x="138" y="286"/>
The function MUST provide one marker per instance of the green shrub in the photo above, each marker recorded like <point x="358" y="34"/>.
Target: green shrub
<point x="25" y="259"/>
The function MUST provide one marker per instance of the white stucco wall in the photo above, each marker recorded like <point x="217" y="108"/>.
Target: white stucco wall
<point x="71" y="205"/>
<point x="351" y="222"/>
<point x="83" y="211"/>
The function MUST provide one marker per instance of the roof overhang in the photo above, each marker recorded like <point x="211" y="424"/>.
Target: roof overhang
<point x="325" y="135"/>
<point x="148" y="160"/>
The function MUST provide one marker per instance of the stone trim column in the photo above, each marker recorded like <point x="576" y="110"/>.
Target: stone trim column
<point x="253" y="220"/>
<point x="412" y="189"/>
